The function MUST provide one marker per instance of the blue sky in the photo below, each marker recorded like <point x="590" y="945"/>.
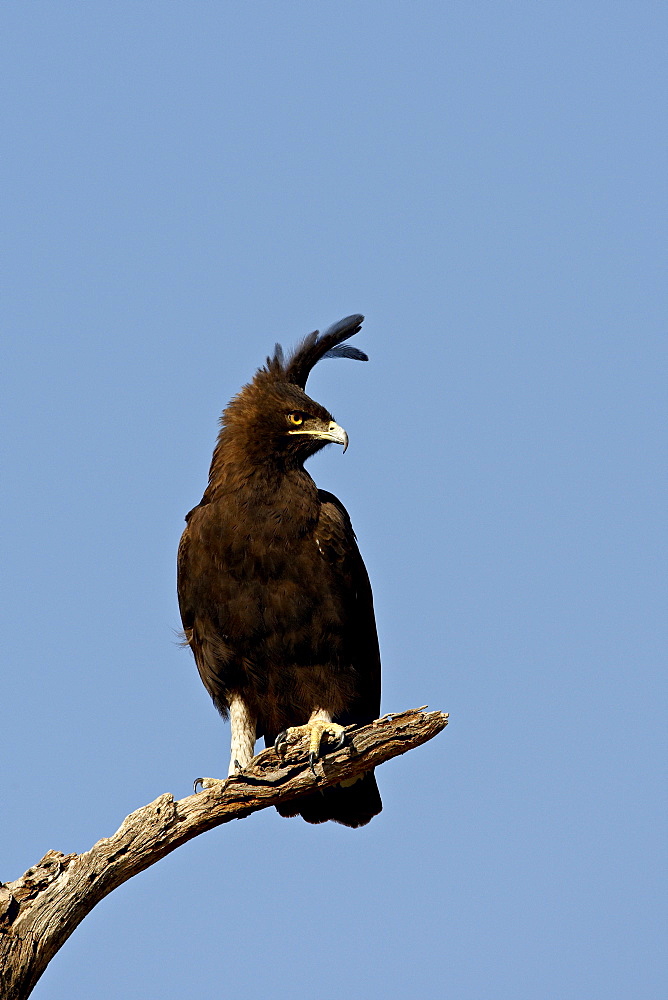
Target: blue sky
<point x="189" y="183"/>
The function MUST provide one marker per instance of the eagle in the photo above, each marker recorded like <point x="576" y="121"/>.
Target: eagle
<point x="274" y="596"/>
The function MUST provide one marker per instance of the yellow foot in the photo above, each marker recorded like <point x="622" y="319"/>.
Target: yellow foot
<point x="319" y="725"/>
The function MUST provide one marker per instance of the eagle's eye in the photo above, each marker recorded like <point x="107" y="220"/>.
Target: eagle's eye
<point x="296" y="419"/>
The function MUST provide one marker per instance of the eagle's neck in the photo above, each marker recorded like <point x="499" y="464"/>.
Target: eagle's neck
<point x="264" y="489"/>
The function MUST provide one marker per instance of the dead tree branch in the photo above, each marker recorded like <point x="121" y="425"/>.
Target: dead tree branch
<point x="39" y="911"/>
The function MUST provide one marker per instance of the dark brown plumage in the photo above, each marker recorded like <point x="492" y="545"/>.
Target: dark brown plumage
<point x="275" y="600"/>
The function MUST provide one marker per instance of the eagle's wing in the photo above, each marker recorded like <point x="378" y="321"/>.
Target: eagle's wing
<point x="182" y="585"/>
<point x="200" y="627"/>
<point x="337" y="543"/>
<point x="352" y="804"/>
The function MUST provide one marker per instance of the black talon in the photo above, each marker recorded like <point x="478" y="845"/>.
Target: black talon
<point x="198" y="781"/>
<point x="340" y="740"/>
<point x="312" y="757"/>
<point x="281" y="742"/>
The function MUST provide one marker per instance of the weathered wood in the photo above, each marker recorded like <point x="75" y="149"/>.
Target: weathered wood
<point x="39" y="911"/>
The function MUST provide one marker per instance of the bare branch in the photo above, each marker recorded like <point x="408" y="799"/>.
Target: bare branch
<point x="39" y="911"/>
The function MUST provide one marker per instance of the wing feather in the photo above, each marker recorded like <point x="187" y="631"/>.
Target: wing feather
<point x="337" y="543"/>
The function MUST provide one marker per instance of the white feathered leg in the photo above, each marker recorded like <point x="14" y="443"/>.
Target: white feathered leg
<point x="242" y="744"/>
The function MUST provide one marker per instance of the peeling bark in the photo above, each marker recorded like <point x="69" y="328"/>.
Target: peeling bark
<point x="39" y="911"/>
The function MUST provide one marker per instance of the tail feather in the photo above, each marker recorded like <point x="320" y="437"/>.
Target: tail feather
<point x="351" y="805"/>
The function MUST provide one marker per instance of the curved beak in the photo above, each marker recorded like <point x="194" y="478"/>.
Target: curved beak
<point x="336" y="434"/>
<point x="333" y="432"/>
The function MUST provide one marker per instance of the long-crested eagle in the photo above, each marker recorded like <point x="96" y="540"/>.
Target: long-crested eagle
<point x="274" y="596"/>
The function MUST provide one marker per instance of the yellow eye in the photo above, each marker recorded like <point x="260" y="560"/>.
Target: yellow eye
<point x="296" y="419"/>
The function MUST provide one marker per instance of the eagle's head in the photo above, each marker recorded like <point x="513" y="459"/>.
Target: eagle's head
<point x="275" y="423"/>
<point x="271" y="424"/>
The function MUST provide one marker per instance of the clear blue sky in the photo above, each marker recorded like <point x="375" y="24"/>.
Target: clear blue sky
<point x="187" y="183"/>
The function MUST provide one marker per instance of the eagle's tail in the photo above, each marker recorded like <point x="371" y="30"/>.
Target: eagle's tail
<point x="353" y="804"/>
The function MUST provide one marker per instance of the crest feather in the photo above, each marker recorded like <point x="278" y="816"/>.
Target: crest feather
<point x="313" y="348"/>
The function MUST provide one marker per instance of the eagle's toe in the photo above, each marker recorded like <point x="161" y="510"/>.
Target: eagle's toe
<point x="314" y="730"/>
<point x="206" y="783"/>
